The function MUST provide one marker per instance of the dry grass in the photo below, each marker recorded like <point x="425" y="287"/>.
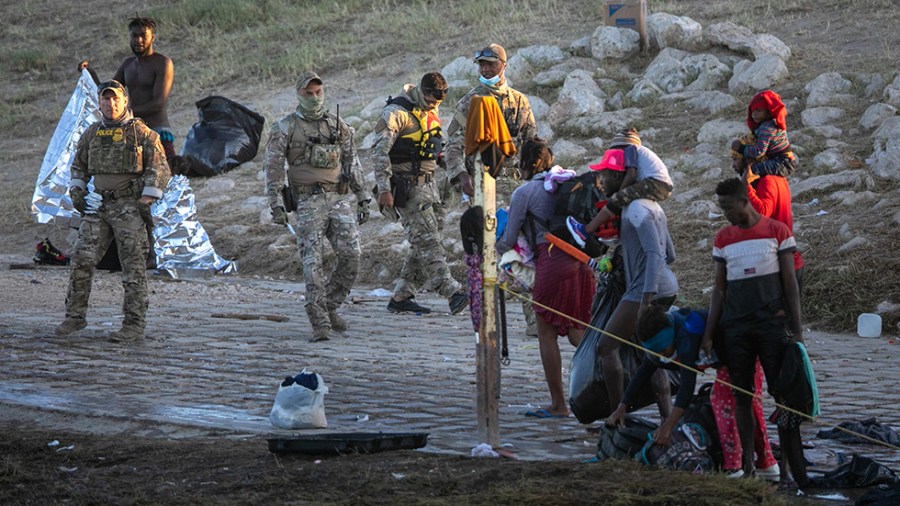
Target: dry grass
<point x="121" y="470"/>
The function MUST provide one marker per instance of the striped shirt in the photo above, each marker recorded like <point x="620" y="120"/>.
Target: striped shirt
<point x="771" y="142"/>
<point x="751" y="258"/>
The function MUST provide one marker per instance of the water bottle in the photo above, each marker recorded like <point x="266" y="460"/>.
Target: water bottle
<point x="705" y="361"/>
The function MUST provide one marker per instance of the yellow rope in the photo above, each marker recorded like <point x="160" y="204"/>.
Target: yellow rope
<point x="697" y="371"/>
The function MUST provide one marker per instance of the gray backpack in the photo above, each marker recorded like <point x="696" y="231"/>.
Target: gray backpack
<point x="686" y="452"/>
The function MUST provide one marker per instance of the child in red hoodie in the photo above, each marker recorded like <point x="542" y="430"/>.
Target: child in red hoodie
<point x="771" y="153"/>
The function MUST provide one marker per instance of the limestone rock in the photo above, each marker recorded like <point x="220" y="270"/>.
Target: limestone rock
<point x="892" y="92"/>
<point x="876" y="114"/>
<point x="769" y="44"/>
<point x="579" y="96"/>
<point x="819" y="116"/>
<point x="517" y="69"/>
<point x="373" y="109"/>
<point x="845" y="179"/>
<point x="542" y="56"/>
<point x="667" y="71"/>
<point x="828" y="88"/>
<point x="737" y="38"/>
<point x="461" y="69"/>
<point x="581" y="47"/>
<point x="567" y="152"/>
<point x="644" y="90"/>
<point x="607" y="122"/>
<point x="538" y="107"/>
<point x="613" y="43"/>
<point x="550" y="78"/>
<point x="706" y="72"/>
<point x="666" y="30"/>
<point x="885" y="159"/>
<point x="767" y="71"/>
<point x="721" y="132"/>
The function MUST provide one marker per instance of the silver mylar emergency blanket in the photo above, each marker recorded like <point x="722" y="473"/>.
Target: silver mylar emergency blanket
<point x="180" y="241"/>
<point x="51" y="202"/>
<point x="181" y="244"/>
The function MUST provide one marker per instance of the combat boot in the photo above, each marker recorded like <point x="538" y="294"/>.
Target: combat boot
<point x="338" y="324"/>
<point x="320" y="334"/>
<point x="127" y="334"/>
<point x="70" y="325"/>
<point x="458" y="302"/>
<point x="407" y="306"/>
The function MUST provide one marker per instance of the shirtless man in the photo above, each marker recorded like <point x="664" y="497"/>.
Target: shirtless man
<point x="148" y="75"/>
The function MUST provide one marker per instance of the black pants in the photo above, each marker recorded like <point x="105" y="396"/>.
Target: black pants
<point x="762" y="334"/>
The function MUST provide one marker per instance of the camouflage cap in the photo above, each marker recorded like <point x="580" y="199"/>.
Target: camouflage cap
<point x="113" y="85"/>
<point x="306" y="77"/>
<point x="494" y="52"/>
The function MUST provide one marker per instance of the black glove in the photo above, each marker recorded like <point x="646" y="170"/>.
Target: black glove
<point x="279" y="215"/>
<point x="362" y="211"/>
<point x="78" y="201"/>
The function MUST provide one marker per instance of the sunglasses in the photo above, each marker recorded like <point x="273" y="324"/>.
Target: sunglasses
<point x="487" y="53"/>
<point x="437" y="93"/>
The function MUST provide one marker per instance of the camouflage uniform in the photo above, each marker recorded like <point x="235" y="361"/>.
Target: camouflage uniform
<point x="126" y="161"/>
<point x="519" y="120"/>
<point x="521" y="125"/>
<point x="318" y="153"/>
<point x="426" y="261"/>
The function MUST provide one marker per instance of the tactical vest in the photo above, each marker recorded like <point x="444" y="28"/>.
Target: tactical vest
<point x="424" y="143"/>
<point x="117" y="149"/>
<point x="313" y="148"/>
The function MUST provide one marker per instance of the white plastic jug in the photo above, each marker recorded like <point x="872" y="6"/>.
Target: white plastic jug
<point x="868" y="325"/>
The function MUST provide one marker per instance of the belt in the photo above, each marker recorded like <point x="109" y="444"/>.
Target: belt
<point x="421" y="179"/>
<point x="131" y="191"/>
<point x="312" y="189"/>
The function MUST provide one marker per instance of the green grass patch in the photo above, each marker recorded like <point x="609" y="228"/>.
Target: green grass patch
<point x="34" y="57"/>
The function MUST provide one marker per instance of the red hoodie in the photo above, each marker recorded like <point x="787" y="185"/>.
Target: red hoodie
<point x="772" y="198"/>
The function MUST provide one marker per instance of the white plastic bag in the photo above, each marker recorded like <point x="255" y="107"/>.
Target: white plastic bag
<point x="298" y="407"/>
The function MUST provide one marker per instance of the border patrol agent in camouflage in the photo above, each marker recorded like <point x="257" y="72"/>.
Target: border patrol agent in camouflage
<point x="516" y="110"/>
<point x="404" y="159"/>
<point x="128" y="165"/>
<point x="520" y="122"/>
<point x="323" y="174"/>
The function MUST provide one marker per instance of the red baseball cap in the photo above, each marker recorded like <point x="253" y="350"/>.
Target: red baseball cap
<point x="613" y="159"/>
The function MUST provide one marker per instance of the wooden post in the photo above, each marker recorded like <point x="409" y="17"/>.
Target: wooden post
<point x="487" y="348"/>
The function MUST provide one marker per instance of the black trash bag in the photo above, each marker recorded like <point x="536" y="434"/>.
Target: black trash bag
<point x="588" y="398"/>
<point x="859" y="472"/>
<point x="883" y="495"/>
<point x="226" y="136"/>
<point x="869" y="427"/>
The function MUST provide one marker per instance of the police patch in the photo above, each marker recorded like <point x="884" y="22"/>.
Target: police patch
<point x="116" y="133"/>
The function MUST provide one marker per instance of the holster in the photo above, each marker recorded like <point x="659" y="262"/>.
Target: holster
<point x="287" y="198"/>
<point x="400" y="187"/>
<point x="343" y="187"/>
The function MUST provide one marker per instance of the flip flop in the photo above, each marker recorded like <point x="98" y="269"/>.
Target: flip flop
<point x="543" y="413"/>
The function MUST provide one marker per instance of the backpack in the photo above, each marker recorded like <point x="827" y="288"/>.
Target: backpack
<point x="577" y="197"/>
<point x="686" y="452"/>
<point x="626" y="441"/>
<point x="700" y="412"/>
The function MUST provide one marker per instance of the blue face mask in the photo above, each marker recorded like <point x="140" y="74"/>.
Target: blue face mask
<point x="494" y="81"/>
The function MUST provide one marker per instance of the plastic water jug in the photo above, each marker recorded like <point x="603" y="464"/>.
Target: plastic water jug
<point x="868" y="325"/>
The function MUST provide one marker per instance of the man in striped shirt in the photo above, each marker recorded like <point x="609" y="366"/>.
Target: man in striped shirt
<point x="756" y="305"/>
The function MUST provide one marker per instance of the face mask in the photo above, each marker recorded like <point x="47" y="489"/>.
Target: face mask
<point x="419" y="99"/>
<point x="311" y="107"/>
<point x="494" y="81"/>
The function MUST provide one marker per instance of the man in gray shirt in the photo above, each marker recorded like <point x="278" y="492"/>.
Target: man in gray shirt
<point x="647" y="251"/>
